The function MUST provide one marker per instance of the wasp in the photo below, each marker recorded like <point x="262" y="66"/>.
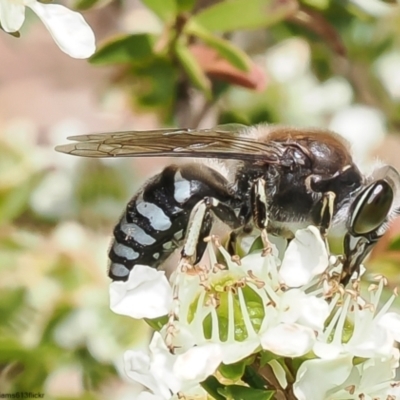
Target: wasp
<point x="274" y="179"/>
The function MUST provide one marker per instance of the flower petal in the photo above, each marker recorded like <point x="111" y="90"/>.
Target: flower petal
<point x="304" y="309"/>
<point x="199" y="362"/>
<point x="391" y="321"/>
<point x="372" y="342"/>
<point x="327" y="350"/>
<point x="148" y="396"/>
<point x="162" y="364"/>
<point x="314" y="312"/>
<point x="316" y="377"/>
<point x="68" y="28"/>
<point x="137" y="368"/>
<point x="146" y="294"/>
<point x="288" y="340"/>
<point x="236" y="351"/>
<point x="12" y="15"/>
<point x="305" y="257"/>
<point x="154" y="371"/>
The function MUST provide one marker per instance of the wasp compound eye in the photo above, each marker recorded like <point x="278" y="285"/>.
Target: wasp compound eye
<point x="371" y="208"/>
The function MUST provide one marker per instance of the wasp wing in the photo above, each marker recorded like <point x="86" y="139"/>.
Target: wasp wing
<point x="205" y="143"/>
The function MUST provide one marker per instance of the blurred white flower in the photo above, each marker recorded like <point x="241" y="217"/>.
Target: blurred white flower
<point x="288" y="60"/>
<point x="374" y="7"/>
<point x="363" y="126"/>
<point x="387" y="68"/>
<point x="68" y="28"/>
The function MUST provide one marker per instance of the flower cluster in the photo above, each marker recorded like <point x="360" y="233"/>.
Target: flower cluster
<point x="261" y="325"/>
<point x="68" y="28"/>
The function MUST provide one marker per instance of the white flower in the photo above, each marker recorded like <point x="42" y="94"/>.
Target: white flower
<point x="370" y="379"/>
<point x="247" y="306"/>
<point x="368" y="336"/>
<point x="356" y="351"/>
<point x="166" y="374"/>
<point x="316" y="377"/>
<point x="335" y="344"/>
<point x="68" y="28"/>
<point x="146" y="294"/>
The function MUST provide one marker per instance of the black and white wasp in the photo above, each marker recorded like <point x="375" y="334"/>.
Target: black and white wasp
<point x="271" y="178"/>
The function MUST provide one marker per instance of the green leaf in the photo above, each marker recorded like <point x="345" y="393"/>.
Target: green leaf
<point x="164" y="9"/>
<point x="185" y="5"/>
<point x="257" y="245"/>
<point x="212" y="386"/>
<point x="193" y="69"/>
<point x="253" y="379"/>
<point x="266" y="357"/>
<point x="14" y="201"/>
<point x="395" y="244"/>
<point x="228" y="16"/>
<point x="154" y="83"/>
<point x="319" y="4"/>
<point x="232" y="371"/>
<point x="232" y="127"/>
<point x="238" y="392"/>
<point x="157" y="323"/>
<point x="85" y="4"/>
<point x="225" y="49"/>
<point x="127" y="49"/>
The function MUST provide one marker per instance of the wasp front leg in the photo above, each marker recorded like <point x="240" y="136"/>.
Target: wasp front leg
<point x="323" y="215"/>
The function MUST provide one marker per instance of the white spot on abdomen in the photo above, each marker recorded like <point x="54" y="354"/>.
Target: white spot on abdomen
<point x="181" y="188"/>
<point x="124" y="251"/>
<point x="119" y="270"/>
<point x="137" y="233"/>
<point x="158" y="220"/>
<point x="178" y="235"/>
<point x="167" y="245"/>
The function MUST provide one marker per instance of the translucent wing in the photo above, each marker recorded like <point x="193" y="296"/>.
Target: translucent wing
<point x="206" y="143"/>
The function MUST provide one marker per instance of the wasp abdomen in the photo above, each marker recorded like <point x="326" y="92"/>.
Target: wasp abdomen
<point x="150" y="229"/>
<point x="155" y="220"/>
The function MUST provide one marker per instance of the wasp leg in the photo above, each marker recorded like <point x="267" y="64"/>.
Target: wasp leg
<point x="200" y="224"/>
<point x="236" y="235"/>
<point x="259" y="203"/>
<point x="323" y="215"/>
<point x="326" y="210"/>
<point x="355" y="251"/>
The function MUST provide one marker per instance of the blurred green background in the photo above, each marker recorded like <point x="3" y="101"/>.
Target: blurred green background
<point x="324" y="63"/>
